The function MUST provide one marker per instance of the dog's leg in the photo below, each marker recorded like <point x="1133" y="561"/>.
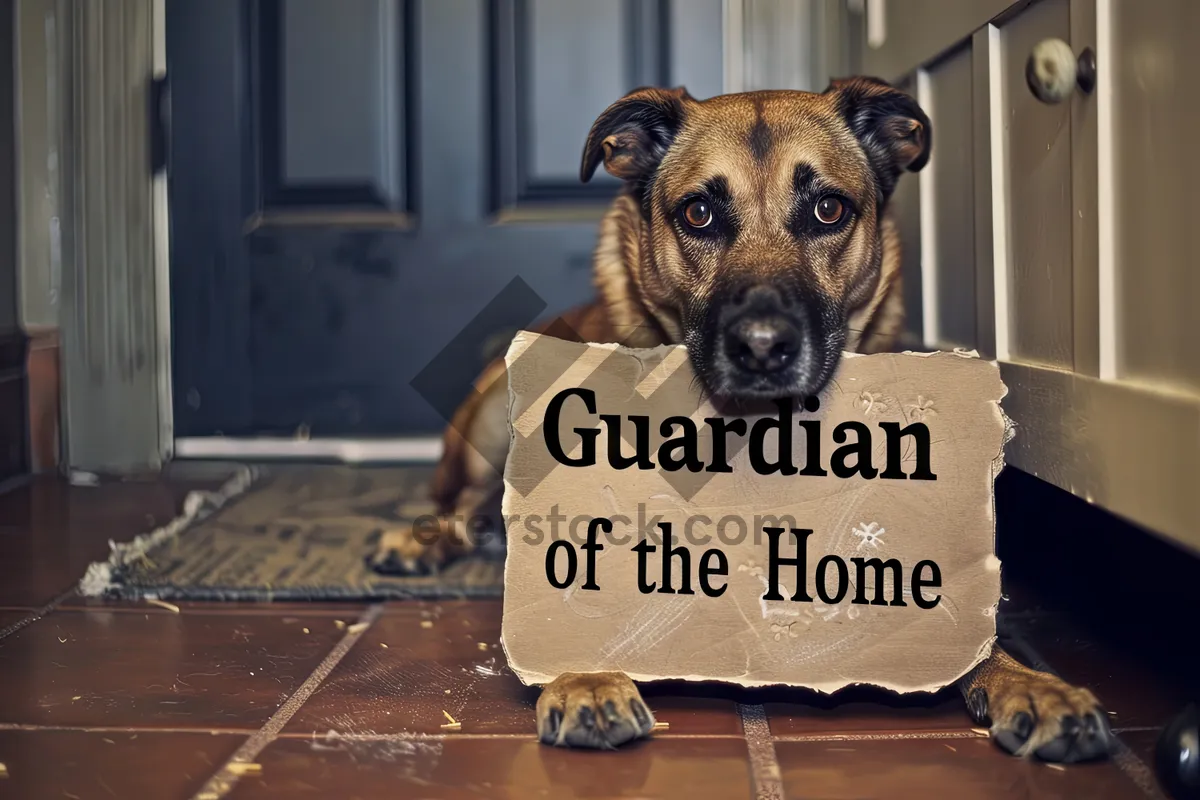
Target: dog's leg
<point x="1035" y="713"/>
<point x="467" y="484"/>
<point x="596" y="710"/>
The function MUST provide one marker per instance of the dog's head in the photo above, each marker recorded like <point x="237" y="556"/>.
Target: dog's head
<point x="763" y="213"/>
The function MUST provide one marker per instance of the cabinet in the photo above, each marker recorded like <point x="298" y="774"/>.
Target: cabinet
<point x="1057" y="237"/>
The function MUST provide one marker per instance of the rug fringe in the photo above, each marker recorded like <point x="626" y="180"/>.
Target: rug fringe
<point x="102" y="576"/>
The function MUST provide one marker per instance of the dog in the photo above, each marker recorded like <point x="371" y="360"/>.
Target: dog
<point x="754" y="229"/>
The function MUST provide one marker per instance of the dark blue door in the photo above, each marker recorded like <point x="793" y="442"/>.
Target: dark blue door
<point x="352" y="182"/>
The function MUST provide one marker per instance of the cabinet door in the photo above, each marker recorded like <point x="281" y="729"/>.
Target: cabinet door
<point x="1096" y="285"/>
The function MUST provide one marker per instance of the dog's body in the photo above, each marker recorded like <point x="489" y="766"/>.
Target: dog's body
<point x="754" y="230"/>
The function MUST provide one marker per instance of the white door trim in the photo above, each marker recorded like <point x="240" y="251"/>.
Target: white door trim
<point x="348" y="451"/>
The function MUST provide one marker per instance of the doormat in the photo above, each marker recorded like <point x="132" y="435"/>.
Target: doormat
<point x="290" y="532"/>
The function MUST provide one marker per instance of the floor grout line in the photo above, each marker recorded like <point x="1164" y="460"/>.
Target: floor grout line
<point x="213" y="731"/>
<point x="877" y="737"/>
<point x="889" y="735"/>
<point x="228" y="611"/>
<point x="37" y="614"/>
<point x="1136" y="770"/>
<point x="448" y="737"/>
<point x="1125" y="759"/>
<point x="764" y="766"/>
<point x="225" y="778"/>
<point x="420" y="736"/>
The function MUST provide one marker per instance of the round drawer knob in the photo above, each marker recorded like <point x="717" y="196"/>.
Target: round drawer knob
<point x="1053" y="71"/>
<point x="1177" y="755"/>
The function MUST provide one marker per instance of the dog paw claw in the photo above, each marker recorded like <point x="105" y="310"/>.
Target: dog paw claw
<point x="1040" y="715"/>
<point x="598" y="711"/>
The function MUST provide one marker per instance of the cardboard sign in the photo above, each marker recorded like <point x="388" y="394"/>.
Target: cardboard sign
<point x="820" y="542"/>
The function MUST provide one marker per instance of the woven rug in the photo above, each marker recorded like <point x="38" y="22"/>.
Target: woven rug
<point x="289" y="532"/>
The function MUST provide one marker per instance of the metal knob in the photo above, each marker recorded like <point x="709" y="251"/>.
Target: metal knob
<point x="1053" y="71"/>
<point x="1177" y="755"/>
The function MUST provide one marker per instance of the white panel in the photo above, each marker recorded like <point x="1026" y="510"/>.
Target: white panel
<point x="1105" y="211"/>
<point x="931" y="329"/>
<point x="1001" y="269"/>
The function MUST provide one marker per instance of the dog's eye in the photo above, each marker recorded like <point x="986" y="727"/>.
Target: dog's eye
<point x="698" y="214"/>
<point x="829" y="210"/>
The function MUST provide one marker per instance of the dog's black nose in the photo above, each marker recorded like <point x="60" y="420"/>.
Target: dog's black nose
<point x="763" y="344"/>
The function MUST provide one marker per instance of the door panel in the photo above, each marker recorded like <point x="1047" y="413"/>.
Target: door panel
<point x="350" y="190"/>
<point x="334" y="123"/>
<point x="952" y="167"/>
<point x="562" y="44"/>
<point x="1040" y="217"/>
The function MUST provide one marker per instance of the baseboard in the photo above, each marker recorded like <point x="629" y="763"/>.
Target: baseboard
<point x="45" y="398"/>
<point x="348" y="451"/>
<point x="14" y="420"/>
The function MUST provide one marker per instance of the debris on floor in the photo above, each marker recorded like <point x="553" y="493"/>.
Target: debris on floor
<point x="241" y="768"/>
<point x="174" y="609"/>
<point x="79" y="477"/>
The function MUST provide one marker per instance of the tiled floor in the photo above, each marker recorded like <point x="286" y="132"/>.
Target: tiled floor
<point x="132" y="700"/>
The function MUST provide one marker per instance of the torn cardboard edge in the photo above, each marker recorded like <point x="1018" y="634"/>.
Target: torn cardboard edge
<point x="661" y="354"/>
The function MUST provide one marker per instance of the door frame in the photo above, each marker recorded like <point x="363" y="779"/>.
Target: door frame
<point x="108" y="226"/>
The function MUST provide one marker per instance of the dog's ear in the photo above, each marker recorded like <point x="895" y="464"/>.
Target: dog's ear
<point x="633" y="134"/>
<point x="890" y="125"/>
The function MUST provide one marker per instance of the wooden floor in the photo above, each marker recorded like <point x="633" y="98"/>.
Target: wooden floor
<point x="132" y="700"/>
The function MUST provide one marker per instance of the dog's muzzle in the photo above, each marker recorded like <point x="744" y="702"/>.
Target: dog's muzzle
<point x="762" y="332"/>
<point x="764" y="343"/>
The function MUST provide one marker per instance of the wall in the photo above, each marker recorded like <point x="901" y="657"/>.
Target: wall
<point x="41" y="99"/>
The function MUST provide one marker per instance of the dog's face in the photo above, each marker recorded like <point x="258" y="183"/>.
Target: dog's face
<point x="763" y="211"/>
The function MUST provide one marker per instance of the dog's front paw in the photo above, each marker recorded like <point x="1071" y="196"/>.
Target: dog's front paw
<point x="419" y="547"/>
<point x="1036" y="713"/>
<point x="598" y="710"/>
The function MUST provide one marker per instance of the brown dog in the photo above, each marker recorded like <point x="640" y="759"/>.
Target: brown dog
<point x="753" y="229"/>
